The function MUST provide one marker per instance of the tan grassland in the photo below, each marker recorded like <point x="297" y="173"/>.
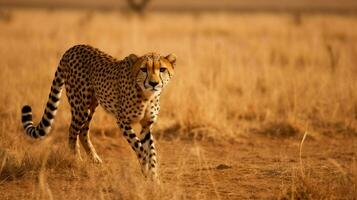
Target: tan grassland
<point x="248" y="88"/>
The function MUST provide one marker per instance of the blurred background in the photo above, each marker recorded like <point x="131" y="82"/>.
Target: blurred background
<point x="196" y="5"/>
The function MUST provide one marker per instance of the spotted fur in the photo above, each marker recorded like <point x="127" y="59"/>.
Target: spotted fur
<point x="129" y="89"/>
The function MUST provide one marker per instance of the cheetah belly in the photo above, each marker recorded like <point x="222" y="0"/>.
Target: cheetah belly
<point x="133" y="110"/>
<point x="107" y="99"/>
<point x="108" y="103"/>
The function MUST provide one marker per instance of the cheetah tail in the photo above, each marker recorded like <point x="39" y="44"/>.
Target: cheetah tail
<point x="44" y="126"/>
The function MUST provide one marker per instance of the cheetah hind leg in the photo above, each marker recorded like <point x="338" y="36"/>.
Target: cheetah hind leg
<point x="84" y="134"/>
<point x="73" y="142"/>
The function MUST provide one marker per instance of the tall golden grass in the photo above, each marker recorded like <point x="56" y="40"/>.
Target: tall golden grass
<point x="237" y="74"/>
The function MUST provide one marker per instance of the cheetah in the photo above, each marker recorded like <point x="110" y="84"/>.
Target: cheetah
<point x="129" y="89"/>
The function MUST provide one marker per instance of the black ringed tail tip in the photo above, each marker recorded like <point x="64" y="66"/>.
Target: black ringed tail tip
<point x="26" y="118"/>
<point x="44" y="126"/>
<point x="26" y="109"/>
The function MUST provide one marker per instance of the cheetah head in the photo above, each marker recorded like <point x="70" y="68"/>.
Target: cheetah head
<point x="152" y="72"/>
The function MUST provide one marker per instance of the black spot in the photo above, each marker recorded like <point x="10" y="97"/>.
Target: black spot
<point x="41" y="132"/>
<point x="141" y="148"/>
<point x="51" y="106"/>
<point x="75" y="128"/>
<point x="45" y="122"/>
<point x="132" y="135"/>
<point x="33" y="133"/>
<point x="26" y="118"/>
<point x="26" y="109"/>
<point x="58" y="80"/>
<point x="49" y="115"/>
<point x="136" y="144"/>
<point x="147" y="137"/>
<point x="55" y="91"/>
<point x="127" y="128"/>
<point x="54" y="98"/>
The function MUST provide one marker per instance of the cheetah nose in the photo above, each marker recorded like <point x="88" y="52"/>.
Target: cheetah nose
<point x="153" y="84"/>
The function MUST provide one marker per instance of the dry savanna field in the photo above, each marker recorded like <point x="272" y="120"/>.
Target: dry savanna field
<point x="262" y="106"/>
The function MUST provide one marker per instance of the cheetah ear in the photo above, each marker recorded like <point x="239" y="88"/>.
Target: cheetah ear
<point x="172" y="59"/>
<point x="133" y="58"/>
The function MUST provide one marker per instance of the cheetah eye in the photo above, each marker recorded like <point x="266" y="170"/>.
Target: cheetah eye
<point x="162" y="69"/>
<point x="144" y="70"/>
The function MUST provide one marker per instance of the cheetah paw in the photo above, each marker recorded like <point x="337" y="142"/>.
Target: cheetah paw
<point x="96" y="159"/>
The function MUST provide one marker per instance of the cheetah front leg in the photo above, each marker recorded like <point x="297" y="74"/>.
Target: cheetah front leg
<point x="146" y="137"/>
<point x="136" y="145"/>
<point x="147" y="140"/>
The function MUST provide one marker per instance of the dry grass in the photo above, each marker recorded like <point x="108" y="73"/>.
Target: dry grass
<point x="236" y="75"/>
<point x="304" y="186"/>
